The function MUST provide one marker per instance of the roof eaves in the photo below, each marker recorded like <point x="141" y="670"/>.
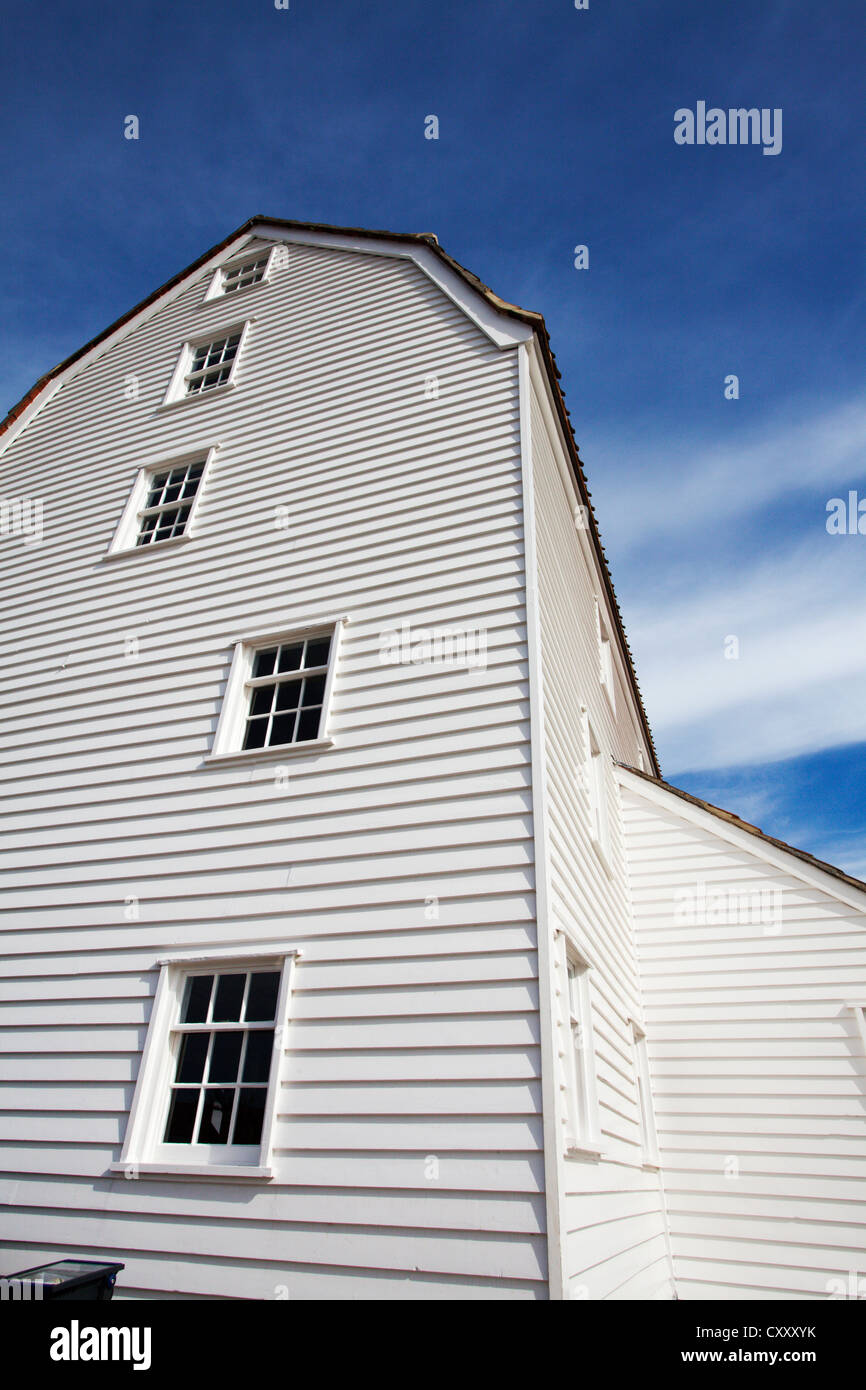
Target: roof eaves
<point x="739" y="824"/>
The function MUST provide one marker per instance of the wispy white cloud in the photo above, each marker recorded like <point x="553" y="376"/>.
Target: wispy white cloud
<point x="797" y="604"/>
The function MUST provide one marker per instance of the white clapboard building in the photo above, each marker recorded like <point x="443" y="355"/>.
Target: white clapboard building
<point x="352" y="945"/>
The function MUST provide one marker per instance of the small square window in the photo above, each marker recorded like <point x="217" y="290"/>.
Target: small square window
<point x="241" y="275"/>
<point x="245" y="272"/>
<point x="278" y="693"/>
<point x="168" y="504"/>
<point x="162" y="504"/>
<point x="211" y="364"/>
<point x="207" y="365"/>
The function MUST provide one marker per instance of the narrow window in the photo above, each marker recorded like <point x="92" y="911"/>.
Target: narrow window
<point x="648" y="1135"/>
<point x="605" y="657"/>
<point x="581" y="1100"/>
<point x="598" y="795"/>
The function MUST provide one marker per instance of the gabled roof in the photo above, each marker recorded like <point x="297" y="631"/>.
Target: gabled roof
<point x="533" y="320"/>
<point x="739" y="824"/>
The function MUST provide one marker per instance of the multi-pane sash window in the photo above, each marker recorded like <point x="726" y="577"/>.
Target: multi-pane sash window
<point x="240" y="277"/>
<point x="170" y="496"/>
<point x="225" y="1043"/>
<point x="286" y="692"/>
<point x="211" y="364"/>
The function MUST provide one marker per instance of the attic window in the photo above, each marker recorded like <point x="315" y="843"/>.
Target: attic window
<point x="243" y="275"/>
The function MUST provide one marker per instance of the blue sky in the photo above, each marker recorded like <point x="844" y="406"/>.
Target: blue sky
<point x="556" y="129"/>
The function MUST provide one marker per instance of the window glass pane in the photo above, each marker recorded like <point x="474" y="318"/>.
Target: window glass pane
<point x="256" y="732"/>
<point x="308" y="724"/>
<point x="196" y="999"/>
<point x="181" y="1117"/>
<point x="318" y="652"/>
<point x="229" y="997"/>
<point x="193" y="1052"/>
<point x="290" y="657"/>
<point x="257" y="1062"/>
<point x="314" y="690"/>
<point x="251" y="1113"/>
<point x="287" y="695"/>
<point x="282" y="728"/>
<point x="216" y="1116"/>
<point x="262" y="700"/>
<point x="225" y="1057"/>
<point x="262" y="998"/>
<point x="264" y="662"/>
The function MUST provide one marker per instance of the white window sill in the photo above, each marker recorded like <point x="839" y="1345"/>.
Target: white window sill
<point x="144" y="549"/>
<point x="273" y="754"/>
<point x="584" y="1151"/>
<point x="233" y="1171"/>
<point x="198" y="396"/>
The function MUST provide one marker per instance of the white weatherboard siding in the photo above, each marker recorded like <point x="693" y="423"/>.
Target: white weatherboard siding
<point x="412" y="1035"/>
<point x="749" y="961"/>
<point x="612" y="1225"/>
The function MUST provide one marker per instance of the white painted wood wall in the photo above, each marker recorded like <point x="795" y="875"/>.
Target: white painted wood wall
<point x="758" y="1062"/>
<point x="614" y="1244"/>
<point x="410" y="1036"/>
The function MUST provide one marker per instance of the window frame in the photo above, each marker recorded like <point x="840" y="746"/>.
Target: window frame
<point x="598" y="790"/>
<point x="175" y="393"/>
<point x="144" y="1152"/>
<point x="125" y="538"/>
<point x="646" y="1105"/>
<point x="581" y="1117"/>
<point x="227" y="743"/>
<point x="216" y="286"/>
<point x="607" y="670"/>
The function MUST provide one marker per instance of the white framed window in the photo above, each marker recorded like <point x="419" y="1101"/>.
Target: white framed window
<point x="648" y="1135"/>
<point x="605" y="657"/>
<point x="859" y="1012"/>
<point x="278" y="695"/>
<point x="598" y="791"/>
<point x="243" y="272"/>
<point x="206" y="1093"/>
<point x="207" y="365"/>
<point x="580" y="1115"/>
<point x="162" y="505"/>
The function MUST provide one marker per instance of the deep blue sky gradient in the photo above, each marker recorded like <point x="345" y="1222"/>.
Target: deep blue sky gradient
<point x="556" y="128"/>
